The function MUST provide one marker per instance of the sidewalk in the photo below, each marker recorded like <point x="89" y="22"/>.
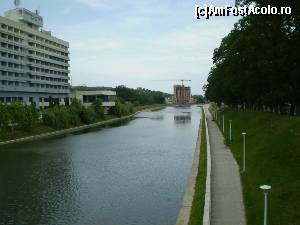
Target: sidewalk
<point x="227" y="206"/>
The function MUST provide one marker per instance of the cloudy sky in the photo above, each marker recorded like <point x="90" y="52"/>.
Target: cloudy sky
<point x="137" y="43"/>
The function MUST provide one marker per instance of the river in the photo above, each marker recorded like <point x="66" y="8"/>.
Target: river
<point x="131" y="174"/>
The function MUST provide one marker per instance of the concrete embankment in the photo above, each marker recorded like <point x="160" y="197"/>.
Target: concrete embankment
<point x="187" y="202"/>
<point x="74" y="129"/>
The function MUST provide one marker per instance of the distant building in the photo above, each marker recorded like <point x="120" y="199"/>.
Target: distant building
<point x="88" y="97"/>
<point x="182" y="95"/>
<point x="169" y="100"/>
<point x="193" y="100"/>
<point x="34" y="65"/>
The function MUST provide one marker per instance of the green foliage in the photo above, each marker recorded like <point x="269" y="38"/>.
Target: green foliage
<point x="258" y="62"/>
<point x="5" y="116"/>
<point x="98" y="108"/>
<point x="199" y="99"/>
<point x="272" y="157"/>
<point x="123" y="109"/>
<point x="88" y="115"/>
<point x="140" y="96"/>
<point x="60" y="117"/>
<point x="18" y="115"/>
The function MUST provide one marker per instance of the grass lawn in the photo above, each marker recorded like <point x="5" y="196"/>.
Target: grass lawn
<point x="273" y="158"/>
<point x="196" y="217"/>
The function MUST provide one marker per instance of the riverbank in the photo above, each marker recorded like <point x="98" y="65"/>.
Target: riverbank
<point x="47" y="132"/>
<point x="193" y="200"/>
<point x="197" y="210"/>
<point x="272" y="157"/>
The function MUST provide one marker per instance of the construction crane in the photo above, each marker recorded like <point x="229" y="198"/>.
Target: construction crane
<point x="181" y="80"/>
<point x="184" y="80"/>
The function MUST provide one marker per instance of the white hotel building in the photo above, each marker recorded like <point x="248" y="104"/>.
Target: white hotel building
<point x="34" y="65"/>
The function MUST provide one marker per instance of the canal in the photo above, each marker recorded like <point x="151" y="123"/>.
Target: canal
<point x="131" y="174"/>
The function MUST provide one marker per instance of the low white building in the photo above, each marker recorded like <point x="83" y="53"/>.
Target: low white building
<point x="88" y="97"/>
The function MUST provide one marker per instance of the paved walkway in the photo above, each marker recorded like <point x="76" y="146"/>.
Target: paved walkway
<point x="227" y="206"/>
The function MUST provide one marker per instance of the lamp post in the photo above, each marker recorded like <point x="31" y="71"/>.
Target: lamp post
<point x="223" y="124"/>
<point x="265" y="189"/>
<point x="230" y="135"/>
<point x="244" y="151"/>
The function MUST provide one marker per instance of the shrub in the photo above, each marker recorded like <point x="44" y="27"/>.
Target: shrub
<point x="98" y="108"/>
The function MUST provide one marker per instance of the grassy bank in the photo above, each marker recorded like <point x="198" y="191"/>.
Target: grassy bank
<point x="196" y="217"/>
<point x="41" y="129"/>
<point x="273" y="157"/>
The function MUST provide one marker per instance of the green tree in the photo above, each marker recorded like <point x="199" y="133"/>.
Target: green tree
<point x="88" y="115"/>
<point x="98" y="108"/>
<point x="257" y="63"/>
<point x="5" y="116"/>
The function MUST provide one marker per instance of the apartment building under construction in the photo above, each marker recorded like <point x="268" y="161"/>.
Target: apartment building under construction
<point x="182" y="95"/>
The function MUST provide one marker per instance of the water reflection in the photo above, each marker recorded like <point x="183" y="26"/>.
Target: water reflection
<point x="184" y="118"/>
<point x="153" y="117"/>
<point x="42" y="186"/>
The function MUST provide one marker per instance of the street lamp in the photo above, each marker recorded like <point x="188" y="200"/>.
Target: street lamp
<point x="265" y="189"/>
<point x="223" y="124"/>
<point x="244" y="151"/>
<point x="230" y="135"/>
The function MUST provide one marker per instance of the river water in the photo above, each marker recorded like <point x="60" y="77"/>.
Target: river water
<point x="131" y="174"/>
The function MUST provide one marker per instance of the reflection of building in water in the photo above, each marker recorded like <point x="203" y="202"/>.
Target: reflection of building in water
<point x="182" y="118"/>
<point x="182" y="95"/>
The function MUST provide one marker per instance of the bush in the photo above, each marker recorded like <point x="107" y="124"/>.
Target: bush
<point x="123" y="109"/>
<point x="4" y="116"/>
<point x="88" y="115"/>
<point x="98" y="108"/>
<point x="21" y="115"/>
<point x="58" y="117"/>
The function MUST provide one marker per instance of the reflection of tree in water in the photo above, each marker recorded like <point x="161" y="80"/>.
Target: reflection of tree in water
<point x="186" y="118"/>
<point x="37" y="188"/>
<point x="155" y="117"/>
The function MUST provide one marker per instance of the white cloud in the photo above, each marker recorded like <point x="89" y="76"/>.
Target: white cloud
<point x="132" y="21"/>
<point x="66" y="10"/>
<point x="95" y="3"/>
<point x="93" y="46"/>
<point x="187" y="51"/>
<point x="137" y="48"/>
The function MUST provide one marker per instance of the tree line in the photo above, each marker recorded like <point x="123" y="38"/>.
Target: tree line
<point x="257" y="65"/>
<point x="140" y="96"/>
<point x="23" y="117"/>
